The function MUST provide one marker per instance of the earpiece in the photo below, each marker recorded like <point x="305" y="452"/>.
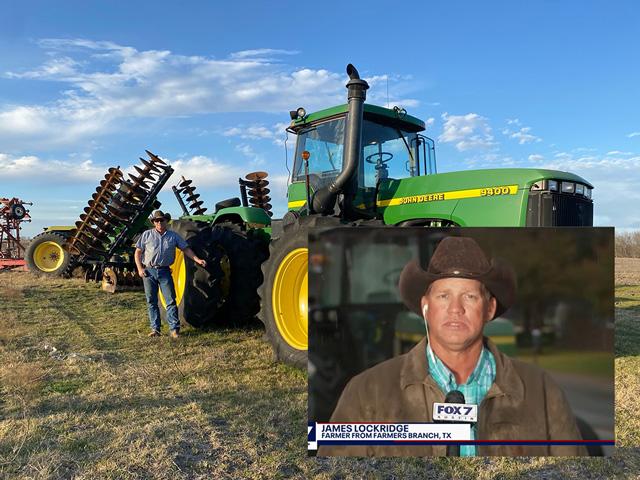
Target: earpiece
<point x="424" y="311"/>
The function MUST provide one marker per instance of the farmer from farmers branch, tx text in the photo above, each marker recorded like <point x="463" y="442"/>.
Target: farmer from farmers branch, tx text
<point x="158" y="245"/>
<point x="459" y="293"/>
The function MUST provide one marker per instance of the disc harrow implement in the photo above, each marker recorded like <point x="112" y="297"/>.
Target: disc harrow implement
<point x="187" y="197"/>
<point x="258" y="193"/>
<point x="101" y="241"/>
<point x="78" y="244"/>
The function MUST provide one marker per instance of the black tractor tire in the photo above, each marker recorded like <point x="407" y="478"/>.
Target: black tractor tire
<point x="201" y="297"/>
<point x="46" y="256"/>
<point x="18" y="211"/>
<point x="246" y="251"/>
<point x="288" y="262"/>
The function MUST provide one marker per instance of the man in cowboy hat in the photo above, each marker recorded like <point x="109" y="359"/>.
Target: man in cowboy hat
<point x="460" y="292"/>
<point x="158" y="246"/>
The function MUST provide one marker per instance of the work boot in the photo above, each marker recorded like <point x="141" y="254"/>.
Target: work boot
<point x="175" y="334"/>
<point x="154" y="333"/>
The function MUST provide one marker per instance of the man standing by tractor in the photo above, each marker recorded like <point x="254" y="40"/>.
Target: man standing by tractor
<point x="155" y="253"/>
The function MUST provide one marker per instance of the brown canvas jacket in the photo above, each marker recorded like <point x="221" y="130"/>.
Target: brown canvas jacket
<point x="523" y="403"/>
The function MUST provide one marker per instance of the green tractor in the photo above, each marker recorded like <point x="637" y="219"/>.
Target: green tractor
<point x="355" y="164"/>
<point x="360" y="164"/>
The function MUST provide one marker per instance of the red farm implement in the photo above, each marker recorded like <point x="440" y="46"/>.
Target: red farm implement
<point x="12" y="213"/>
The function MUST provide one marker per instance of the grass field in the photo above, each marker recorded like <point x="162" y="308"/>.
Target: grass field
<point x="84" y="394"/>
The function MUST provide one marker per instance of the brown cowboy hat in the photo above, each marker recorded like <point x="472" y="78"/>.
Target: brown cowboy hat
<point x="458" y="257"/>
<point x="158" y="215"/>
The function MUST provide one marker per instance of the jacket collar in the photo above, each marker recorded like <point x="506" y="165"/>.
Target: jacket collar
<point x="508" y="383"/>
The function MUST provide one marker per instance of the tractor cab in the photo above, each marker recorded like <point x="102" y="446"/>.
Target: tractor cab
<point x="391" y="148"/>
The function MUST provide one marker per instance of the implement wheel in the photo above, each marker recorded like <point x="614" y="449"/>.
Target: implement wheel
<point x="46" y="257"/>
<point x="285" y="297"/>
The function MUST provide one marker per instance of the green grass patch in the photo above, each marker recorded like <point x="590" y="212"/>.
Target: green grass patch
<point x="64" y="386"/>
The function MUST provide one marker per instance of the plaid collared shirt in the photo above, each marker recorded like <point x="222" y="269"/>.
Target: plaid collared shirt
<point x="474" y="390"/>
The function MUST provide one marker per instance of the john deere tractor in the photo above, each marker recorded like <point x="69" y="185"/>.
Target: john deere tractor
<point x="355" y="164"/>
<point x="360" y="164"/>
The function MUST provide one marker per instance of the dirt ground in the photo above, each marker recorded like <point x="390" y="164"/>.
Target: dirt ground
<point x="627" y="271"/>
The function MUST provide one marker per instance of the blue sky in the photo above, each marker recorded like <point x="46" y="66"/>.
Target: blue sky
<point x="208" y="86"/>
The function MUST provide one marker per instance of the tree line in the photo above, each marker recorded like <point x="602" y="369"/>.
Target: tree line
<point x="628" y="244"/>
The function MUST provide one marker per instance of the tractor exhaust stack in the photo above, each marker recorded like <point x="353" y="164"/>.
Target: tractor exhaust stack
<point x="325" y="199"/>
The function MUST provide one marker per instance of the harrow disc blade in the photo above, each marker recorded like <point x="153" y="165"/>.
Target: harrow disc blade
<point x="99" y="214"/>
<point x="91" y="239"/>
<point x="195" y="205"/>
<point x="105" y="186"/>
<point x="139" y="182"/>
<point x="185" y="183"/>
<point x="150" y="166"/>
<point x="255" y="176"/>
<point x="122" y="203"/>
<point x="155" y="158"/>
<point x="200" y="211"/>
<point x="115" y="172"/>
<point x="144" y="172"/>
<point x="260" y="200"/>
<point x="258" y="184"/>
<point x="86" y="240"/>
<point x="259" y="191"/>
<point x="120" y="214"/>
<point x="129" y="188"/>
<point x="88" y="249"/>
<point x="102" y="195"/>
<point x="192" y="198"/>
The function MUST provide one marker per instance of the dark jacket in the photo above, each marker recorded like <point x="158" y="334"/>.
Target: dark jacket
<point x="523" y="403"/>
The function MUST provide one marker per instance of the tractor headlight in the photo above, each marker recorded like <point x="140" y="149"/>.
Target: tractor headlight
<point x="553" y="185"/>
<point x="298" y="114"/>
<point x="587" y="192"/>
<point x="579" y="189"/>
<point x="568" y="187"/>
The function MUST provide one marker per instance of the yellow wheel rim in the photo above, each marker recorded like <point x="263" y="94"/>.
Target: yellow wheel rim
<point x="290" y="298"/>
<point x="179" y="275"/>
<point x="48" y="256"/>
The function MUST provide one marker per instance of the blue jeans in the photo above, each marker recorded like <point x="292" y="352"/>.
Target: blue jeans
<point x="161" y="277"/>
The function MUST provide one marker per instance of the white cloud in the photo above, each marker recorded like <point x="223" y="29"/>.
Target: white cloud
<point x="467" y="132"/>
<point x="523" y="134"/>
<point x="107" y="86"/>
<point x="262" y="52"/>
<point x="256" y="158"/>
<point x="276" y="133"/>
<point x="61" y="171"/>
<point x="633" y="134"/>
<point x="535" y="158"/>
<point x="206" y="172"/>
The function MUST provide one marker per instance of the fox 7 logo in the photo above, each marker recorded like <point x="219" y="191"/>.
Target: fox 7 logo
<point x="455" y="412"/>
<point x="455" y="409"/>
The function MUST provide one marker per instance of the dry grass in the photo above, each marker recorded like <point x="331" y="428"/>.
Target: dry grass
<point x="84" y="394"/>
<point x="627" y="271"/>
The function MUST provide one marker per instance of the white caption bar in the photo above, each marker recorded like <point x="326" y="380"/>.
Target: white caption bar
<point x="392" y="431"/>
